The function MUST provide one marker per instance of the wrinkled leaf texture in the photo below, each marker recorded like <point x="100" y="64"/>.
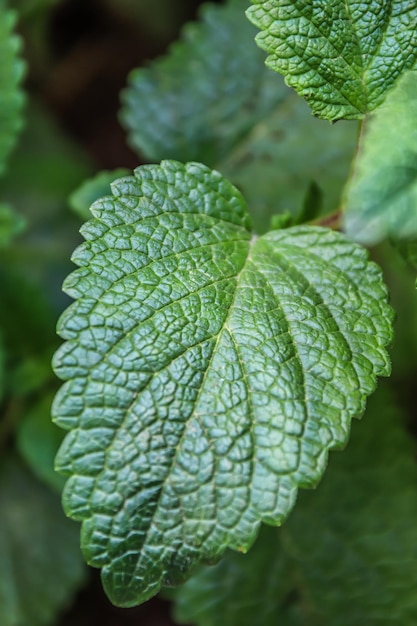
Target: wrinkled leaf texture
<point x="346" y="556"/>
<point x="208" y="372"/>
<point x="342" y="56"/>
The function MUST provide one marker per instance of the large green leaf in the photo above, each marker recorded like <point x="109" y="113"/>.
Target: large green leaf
<point x="381" y="198"/>
<point x="342" y="56"/>
<point x="347" y="554"/>
<point x="208" y="372"/>
<point x="40" y="561"/>
<point x="213" y="100"/>
<point x="11" y="72"/>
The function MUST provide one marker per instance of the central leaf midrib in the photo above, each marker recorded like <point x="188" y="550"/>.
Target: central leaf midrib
<point x="196" y="401"/>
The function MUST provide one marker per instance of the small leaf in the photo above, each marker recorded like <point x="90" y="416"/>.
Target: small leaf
<point x="342" y="56"/>
<point x="40" y="562"/>
<point x="213" y="100"/>
<point x="346" y="556"/>
<point x="381" y="199"/>
<point x="11" y="74"/>
<point x="38" y="440"/>
<point x="408" y="250"/>
<point x="11" y="224"/>
<point x="92" y="189"/>
<point x="208" y="372"/>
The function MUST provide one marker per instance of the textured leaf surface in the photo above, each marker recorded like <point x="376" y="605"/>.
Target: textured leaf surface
<point x="346" y="556"/>
<point x="10" y="76"/>
<point x="340" y="55"/>
<point x="381" y="199"/>
<point x="213" y="100"/>
<point x="208" y="372"/>
<point x="40" y="561"/>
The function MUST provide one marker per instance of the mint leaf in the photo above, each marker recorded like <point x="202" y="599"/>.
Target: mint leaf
<point x="40" y="562"/>
<point x="197" y="102"/>
<point x="208" y="372"/>
<point x="381" y="198"/>
<point x="92" y="189"/>
<point x="346" y="556"/>
<point x="211" y="99"/>
<point x="342" y="56"/>
<point x="10" y="77"/>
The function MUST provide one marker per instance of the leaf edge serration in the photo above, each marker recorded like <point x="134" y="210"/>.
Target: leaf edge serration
<point x="64" y="328"/>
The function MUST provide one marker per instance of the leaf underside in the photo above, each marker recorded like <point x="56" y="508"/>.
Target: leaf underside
<point x="208" y="373"/>
<point x="381" y="199"/>
<point x="342" y="56"/>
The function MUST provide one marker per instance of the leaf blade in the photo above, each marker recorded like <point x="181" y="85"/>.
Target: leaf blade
<point x="380" y="199"/>
<point x="364" y="550"/>
<point x="248" y="125"/>
<point x="342" y="57"/>
<point x="184" y="403"/>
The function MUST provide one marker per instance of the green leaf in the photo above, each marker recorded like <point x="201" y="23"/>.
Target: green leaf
<point x="92" y="189"/>
<point x="381" y="199"/>
<point x="11" y="224"/>
<point x="208" y="373"/>
<point x="408" y="250"/>
<point x="342" y="56"/>
<point x="11" y="74"/>
<point x="40" y="562"/>
<point x="346" y="556"/>
<point x="197" y="102"/>
<point x="213" y="100"/>
<point x="38" y="440"/>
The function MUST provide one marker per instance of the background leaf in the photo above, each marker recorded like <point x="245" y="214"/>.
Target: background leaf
<point x="41" y="566"/>
<point x="10" y="77"/>
<point x="345" y="556"/>
<point x="206" y="372"/>
<point x="38" y="440"/>
<point x="92" y="189"/>
<point x="381" y="198"/>
<point x="213" y="100"/>
<point x="340" y="55"/>
<point x="11" y="224"/>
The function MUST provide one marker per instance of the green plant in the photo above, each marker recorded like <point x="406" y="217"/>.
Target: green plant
<point x="211" y="365"/>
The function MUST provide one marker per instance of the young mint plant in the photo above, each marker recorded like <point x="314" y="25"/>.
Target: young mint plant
<point x="209" y="372"/>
